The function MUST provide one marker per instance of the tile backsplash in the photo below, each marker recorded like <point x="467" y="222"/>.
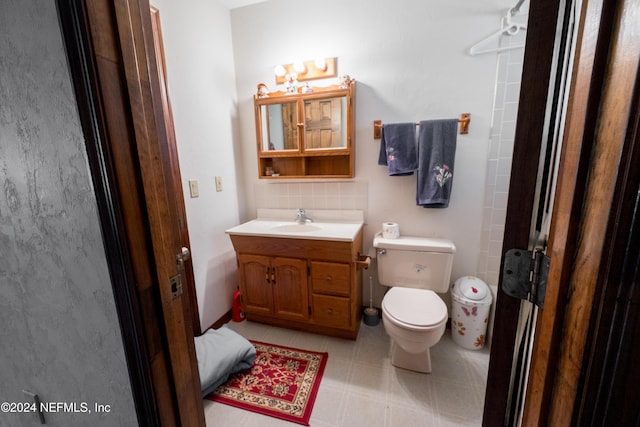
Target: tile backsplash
<point x="341" y="195"/>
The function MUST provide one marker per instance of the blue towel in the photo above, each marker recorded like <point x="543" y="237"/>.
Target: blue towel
<point x="398" y="148"/>
<point x="436" y="156"/>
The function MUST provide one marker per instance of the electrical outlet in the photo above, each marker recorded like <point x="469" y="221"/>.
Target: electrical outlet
<point x="193" y="188"/>
<point x="218" y="183"/>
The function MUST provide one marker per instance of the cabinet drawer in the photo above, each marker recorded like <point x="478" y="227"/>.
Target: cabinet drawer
<point x="331" y="278"/>
<point x="331" y="311"/>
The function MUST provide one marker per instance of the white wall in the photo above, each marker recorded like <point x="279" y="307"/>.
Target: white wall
<point x="199" y="59"/>
<point x="409" y="59"/>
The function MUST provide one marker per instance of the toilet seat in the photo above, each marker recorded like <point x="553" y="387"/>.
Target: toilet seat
<point x="415" y="309"/>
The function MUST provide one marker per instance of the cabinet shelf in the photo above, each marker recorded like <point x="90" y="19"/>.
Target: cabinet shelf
<point x="315" y="166"/>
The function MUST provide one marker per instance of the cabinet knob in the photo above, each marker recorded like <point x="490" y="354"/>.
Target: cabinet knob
<point x="330" y="311"/>
<point x="328" y="278"/>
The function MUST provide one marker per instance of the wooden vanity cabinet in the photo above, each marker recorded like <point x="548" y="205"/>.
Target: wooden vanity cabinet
<point x="311" y="285"/>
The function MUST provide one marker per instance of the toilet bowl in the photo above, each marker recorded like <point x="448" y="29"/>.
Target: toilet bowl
<point x="415" y="319"/>
<point x="414" y="316"/>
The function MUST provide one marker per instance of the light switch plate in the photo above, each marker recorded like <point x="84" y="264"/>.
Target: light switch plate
<point x="193" y="188"/>
<point x="218" y="183"/>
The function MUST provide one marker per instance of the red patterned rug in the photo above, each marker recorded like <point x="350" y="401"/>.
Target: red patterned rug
<point x="283" y="383"/>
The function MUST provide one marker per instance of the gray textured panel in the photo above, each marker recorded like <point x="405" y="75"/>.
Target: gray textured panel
<point x="60" y="335"/>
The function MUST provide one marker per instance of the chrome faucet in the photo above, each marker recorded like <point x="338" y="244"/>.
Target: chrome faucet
<point x="302" y="218"/>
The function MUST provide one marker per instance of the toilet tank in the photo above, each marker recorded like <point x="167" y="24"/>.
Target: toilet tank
<point x="414" y="262"/>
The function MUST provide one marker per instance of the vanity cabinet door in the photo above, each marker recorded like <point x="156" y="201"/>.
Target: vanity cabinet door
<point x="290" y="294"/>
<point x="255" y="283"/>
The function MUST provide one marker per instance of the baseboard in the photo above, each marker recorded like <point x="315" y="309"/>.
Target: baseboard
<point x="221" y="321"/>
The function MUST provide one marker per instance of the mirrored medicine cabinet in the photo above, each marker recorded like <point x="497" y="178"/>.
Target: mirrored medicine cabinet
<point x="306" y="135"/>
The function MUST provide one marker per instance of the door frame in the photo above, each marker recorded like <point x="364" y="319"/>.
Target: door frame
<point x="539" y="46"/>
<point x="534" y="89"/>
<point x="79" y="55"/>
<point x="601" y="130"/>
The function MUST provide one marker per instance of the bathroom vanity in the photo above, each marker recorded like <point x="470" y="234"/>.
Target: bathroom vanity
<point x="301" y="276"/>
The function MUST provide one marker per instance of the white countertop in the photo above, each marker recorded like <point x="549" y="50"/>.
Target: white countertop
<point x="326" y="225"/>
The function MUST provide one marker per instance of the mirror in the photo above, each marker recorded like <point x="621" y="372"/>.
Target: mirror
<point x="279" y="126"/>
<point x="325" y="123"/>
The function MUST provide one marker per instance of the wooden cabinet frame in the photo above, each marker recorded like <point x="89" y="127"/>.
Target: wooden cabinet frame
<point x="297" y="159"/>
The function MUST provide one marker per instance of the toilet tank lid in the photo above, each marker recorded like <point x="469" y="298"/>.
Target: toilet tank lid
<point x="413" y="243"/>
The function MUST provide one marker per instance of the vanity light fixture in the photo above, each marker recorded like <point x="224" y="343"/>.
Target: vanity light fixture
<point x="319" y="68"/>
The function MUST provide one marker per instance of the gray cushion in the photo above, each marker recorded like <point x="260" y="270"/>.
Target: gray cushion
<point x="221" y="353"/>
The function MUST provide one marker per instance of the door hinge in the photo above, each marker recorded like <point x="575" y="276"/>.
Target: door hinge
<point x="525" y="275"/>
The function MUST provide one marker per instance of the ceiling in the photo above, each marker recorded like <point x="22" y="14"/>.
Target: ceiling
<point x="232" y="4"/>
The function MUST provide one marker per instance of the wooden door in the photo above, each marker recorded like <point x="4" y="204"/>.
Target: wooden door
<point x="323" y="123"/>
<point x="118" y="91"/>
<point x="188" y="278"/>
<point x="602" y="102"/>
<point x="256" y="283"/>
<point x="290" y="288"/>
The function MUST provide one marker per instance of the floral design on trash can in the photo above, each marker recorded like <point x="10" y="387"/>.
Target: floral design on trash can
<point x="459" y="327"/>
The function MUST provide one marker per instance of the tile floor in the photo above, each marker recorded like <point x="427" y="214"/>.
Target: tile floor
<point x="360" y="388"/>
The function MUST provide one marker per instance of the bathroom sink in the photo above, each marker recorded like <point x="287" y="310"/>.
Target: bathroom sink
<point x="297" y="228"/>
<point x="342" y="226"/>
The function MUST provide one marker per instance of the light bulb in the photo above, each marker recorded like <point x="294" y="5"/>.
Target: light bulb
<point x="299" y="67"/>
<point x="280" y="71"/>
<point x="320" y="64"/>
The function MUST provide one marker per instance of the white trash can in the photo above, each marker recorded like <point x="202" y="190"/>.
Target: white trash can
<point x="470" y="307"/>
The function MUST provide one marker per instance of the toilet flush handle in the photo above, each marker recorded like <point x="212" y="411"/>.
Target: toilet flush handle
<point x="382" y="251"/>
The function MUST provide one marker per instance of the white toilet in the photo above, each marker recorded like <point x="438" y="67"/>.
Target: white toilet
<point x="414" y="316"/>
